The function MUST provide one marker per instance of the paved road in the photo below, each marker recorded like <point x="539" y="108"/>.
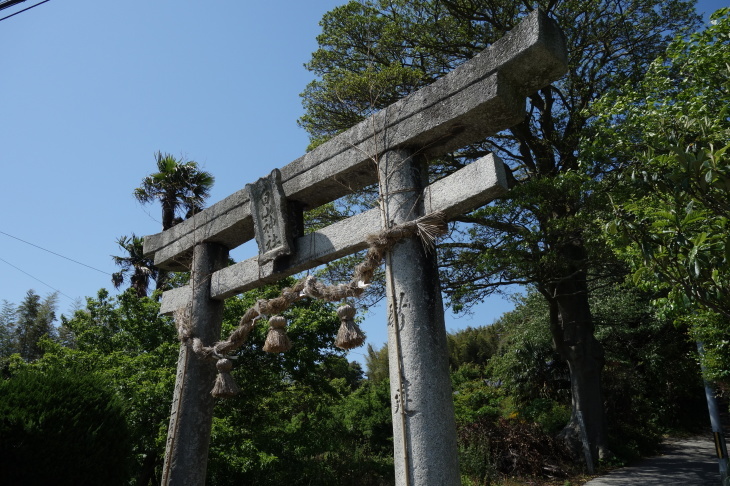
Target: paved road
<point x="687" y="462"/>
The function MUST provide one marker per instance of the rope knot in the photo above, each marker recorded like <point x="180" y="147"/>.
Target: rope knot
<point x="225" y="386"/>
<point x="276" y="340"/>
<point x="350" y="335"/>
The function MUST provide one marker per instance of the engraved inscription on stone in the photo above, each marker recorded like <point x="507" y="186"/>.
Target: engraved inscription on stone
<point x="269" y="212"/>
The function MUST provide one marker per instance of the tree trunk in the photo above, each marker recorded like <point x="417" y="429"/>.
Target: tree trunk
<point x="168" y="221"/>
<point x="169" y="204"/>
<point x="146" y="474"/>
<point x="161" y="281"/>
<point x="572" y="330"/>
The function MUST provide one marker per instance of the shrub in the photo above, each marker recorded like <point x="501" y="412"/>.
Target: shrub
<point x="61" y="428"/>
<point x="551" y="416"/>
<point x="509" y="447"/>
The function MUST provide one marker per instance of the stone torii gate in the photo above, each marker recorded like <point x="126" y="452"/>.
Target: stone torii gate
<point x="476" y="100"/>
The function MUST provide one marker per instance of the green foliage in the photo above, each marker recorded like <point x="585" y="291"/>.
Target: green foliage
<point x="135" y="267"/>
<point x="673" y="131"/>
<point x="680" y="238"/>
<point x="59" y="427"/>
<point x="284" y="433"/>
<point x="34" y="319"/>
<point x="123" y="323"/>
<point x="475" y="460"/>
<point x="296" y="433"/>
<point x="376" y="362"/>
<point x="527" y="365"/>
<point x="179" y="185"/>
<point x="547" y="230"/>
<point x="548" y="414"/>
<point x="312" y="327"/>
<point x="366" y="414"/>
<point x="303" y="415"/>
<point x="125" y="343"/>
<point x="8" y="342"/>
<point x="307" y="415"/>
<point x="652" y="379"/>
<point x="472" y="345"/>
<point x="475" y="396"/>
<point x="712" y="331"/>
<point x="510" y="370"/>
<point x="365" y="62"/>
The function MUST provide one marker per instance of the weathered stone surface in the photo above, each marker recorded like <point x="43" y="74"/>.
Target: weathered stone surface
<point x="422" y="405"/>
<point x="462" y="191"/>
<point x="270" y="217"/>
<point x="191" y="417"/>
<point x="227" y="222"/>
<point x="479" y="98"/>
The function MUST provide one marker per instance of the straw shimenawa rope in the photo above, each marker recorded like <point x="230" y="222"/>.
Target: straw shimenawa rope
<point x="427" y="227"/>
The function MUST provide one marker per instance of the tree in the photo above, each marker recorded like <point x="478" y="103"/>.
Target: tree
<point x="179" y="185"/>
<point x="545" y="231"/>
<point x="124" y="341"/>
<point x="376" y="362"/>
<point x="182" y="188"/>
<point x="652" y="382"/>
<point x="302" y="415"/>
<point x="61" y="428"/>
<point x="526" y="365"/>
<point x="472" y="345"/>
<point x="672" y="132"/>
<point x="135" y="267"/>
<point x="8" y="343"/>
<point x="34" y="320"/>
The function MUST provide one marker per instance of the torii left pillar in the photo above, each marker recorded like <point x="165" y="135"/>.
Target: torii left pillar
<point x="188" y="436"/>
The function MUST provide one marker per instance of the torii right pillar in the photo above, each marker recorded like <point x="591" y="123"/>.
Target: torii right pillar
<point x="424" y="427"/>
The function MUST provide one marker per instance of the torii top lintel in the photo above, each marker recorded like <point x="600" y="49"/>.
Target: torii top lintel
<point x="479" y="98"/>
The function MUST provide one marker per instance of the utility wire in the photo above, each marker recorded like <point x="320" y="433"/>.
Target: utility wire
<point x="35" y="278"/>
<point x="21" y="11"/>
<point x="9" y="3"/>
<point x="54" y="253"/>
<point x="148" y="214"/>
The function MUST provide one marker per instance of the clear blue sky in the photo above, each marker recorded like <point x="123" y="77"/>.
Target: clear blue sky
<point x="90" y="90"/>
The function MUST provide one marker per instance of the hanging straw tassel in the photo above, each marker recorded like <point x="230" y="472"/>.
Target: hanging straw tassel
<point x="225" y="386"/>
<point x="277" y="340"/>
<point x="430" y="227"/>
<point x="349" y="336"/>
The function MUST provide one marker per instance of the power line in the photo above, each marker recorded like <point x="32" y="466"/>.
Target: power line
<point x="21" y="11"/>
<point x="54" y="253"/>
<point x="35" y="278"/>
<point x="9" y="3"/>
<point x="148" y="214"/>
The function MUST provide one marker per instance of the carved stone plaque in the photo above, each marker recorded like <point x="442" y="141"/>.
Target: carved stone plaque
<point x="270" y="217"/>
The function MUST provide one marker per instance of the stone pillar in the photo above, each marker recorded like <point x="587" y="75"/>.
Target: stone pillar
<point x="424" y="427"/>
<point x="188" y="436"/>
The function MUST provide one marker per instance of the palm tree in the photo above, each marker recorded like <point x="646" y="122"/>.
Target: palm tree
<point x="135" y="267"/>
<point x="179" y="185"/>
